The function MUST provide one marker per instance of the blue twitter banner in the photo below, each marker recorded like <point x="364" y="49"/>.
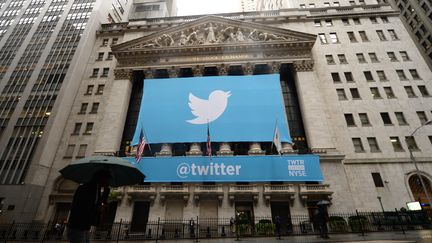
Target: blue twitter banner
<point x="237" y="109"/>
<point x="230" y="168"/>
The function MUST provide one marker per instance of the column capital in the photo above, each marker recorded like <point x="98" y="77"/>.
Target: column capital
<point x="222" y="69"/>
<point x="274" y="67"/>
<point x="198" y="70"/>
<point x="173" y="72"/>
<point x="122" y="74"/>
<point x="303" y="66"/>
<point x="148" y="73"/>
<point x="248" y="68"/>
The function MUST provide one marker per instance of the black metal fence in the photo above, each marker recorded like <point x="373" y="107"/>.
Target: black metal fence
<point x="357" y="222"/>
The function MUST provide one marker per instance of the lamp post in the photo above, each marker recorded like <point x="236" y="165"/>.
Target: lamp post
<point x="415" y="163"/>
<point x="379" y="199"/>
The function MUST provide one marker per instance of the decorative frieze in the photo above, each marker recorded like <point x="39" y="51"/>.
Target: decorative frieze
<point x="303" y="66"/>
<point x="120" y="74"/>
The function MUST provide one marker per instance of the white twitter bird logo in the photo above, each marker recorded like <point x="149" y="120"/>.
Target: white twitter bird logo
<point x="208" y="110"/>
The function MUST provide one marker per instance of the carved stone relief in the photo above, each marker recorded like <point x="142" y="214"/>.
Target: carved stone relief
<point x="303" y="66"/>
<point x="207" y="34"/>
<point x="122" y="74"/>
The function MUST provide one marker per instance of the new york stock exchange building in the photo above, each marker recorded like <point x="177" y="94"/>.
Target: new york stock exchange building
<point x="321" y="79"/>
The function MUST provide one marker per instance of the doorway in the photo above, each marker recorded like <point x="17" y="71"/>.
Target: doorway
<point x="245" y="217"/>
<point x="140" y="216"/>
<point x="282" y="209"/>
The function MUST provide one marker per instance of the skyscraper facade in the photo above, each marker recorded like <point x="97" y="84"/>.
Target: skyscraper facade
<point x="354" y="89"/>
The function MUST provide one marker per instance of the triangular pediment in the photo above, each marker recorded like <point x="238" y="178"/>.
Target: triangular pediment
<point x="214" y="31"/>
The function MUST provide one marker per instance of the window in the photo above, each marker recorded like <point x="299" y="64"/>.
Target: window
<point x="381" y="35"/>
<point x="105" y="72"/>
<point x="94" y="108"/>
<point x="404" y="56"/>
<point x="342" y="59"/>
<point x="336" y="4"/>
<point x="83" y="109"/>
<point x="401" y="74"/>
<point x="89" y="128"/>
<point x="69" y="151"/>
<point x="401" y="119"/>
<point x="302" y="6"/>
<point x="410" y="92"/>
<point x="363" y="36"/>
<point x="430" y="139"/>
<point x="351" y="36"/>
<point x="373" y="144"/>
<point x="375" y="93"/>
<point x="355" y="93"/>
<point x="397" y="146"/>
<point x="393" y="35"/>
<point x="114" y="41"/>
<point x="389" y="93"/>
<point x="411" y="143"/>
<point x="361" y="58"/>
<point x="110" y="56"/>
<point x="95" y="72"/>
<point x="386" y="118"/>
<point x="364" y="119"/>
<point x="373" y="20"/>
<point x="356" y="21"/>
<point x="336" y="77"/>
<point x="345" y="21"/>
<point x="322" y="38"/>
<point x="414" y="74"/>
<point x="422" y="117"/>
<point x="89" y="90"/>
<point x="384" y="19"/>
<point x="352" y="2"/>
<point x="381" y="75"/>
<point x="362" y="2"/>
<point x="328" y="22"/>
<point x="358" y="146"/>
<point x="341" y="94"/>
<point x="368" y="76"/>
<point x="77" y="128"/>
<point x="311" y="5"/>
<point x="104" y="42"/>
<point x="373" y="57"/>
<point x="100" y="89"/>
<point x="317" y="23"/>
<point x="348" y="77"/>
<point x="392" y="56"/>
<point x="82" y="151"/>
<point x="100" y="56"/>
<point x="377" y="179"/>
<point x="326" y="4"/>
<point x="424" y="92"/>
<point x="334" y="38"/>
<point x="349" y="118"/>
<point x="330" y="59"/>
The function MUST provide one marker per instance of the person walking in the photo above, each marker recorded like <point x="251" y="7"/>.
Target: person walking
<point x="88" y="205"/>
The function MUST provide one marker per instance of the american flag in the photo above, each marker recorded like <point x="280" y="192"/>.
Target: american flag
<point x="140" y="148"/>
<point x="209" y="152"/>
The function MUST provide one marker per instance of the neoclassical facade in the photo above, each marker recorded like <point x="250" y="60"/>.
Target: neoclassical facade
<point x="354" y="87"/>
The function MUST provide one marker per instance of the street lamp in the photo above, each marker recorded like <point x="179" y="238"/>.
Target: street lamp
<point x="415" y="162"/>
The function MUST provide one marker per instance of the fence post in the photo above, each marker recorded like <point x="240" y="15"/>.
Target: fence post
<point x="44" y="232"/>
<point x="157" y="230"/>
<point x="400" y="221"/>
<point x="361" y="222"/>
<point x="197" y="230"/>
<point x="119" y="229"/>
<point x="9" y="231"/>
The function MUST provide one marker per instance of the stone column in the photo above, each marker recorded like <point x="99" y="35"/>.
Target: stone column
<point x="255" y="149"/>
<point x="173" y="72"/>
<point x="222" y="69"/>
<point x="248" y="69"/>
<point x="110" y="131"/>
<point x="166" y="150"/>
<point x="313" y="105"/>
<point x="274" y="67"/>
<point x="198" y="71"/>
<point x="195" y="150"/>
<point x="225" y="149"/>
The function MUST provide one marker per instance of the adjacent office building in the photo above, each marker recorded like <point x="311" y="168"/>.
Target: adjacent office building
<point x="354" y="89"/>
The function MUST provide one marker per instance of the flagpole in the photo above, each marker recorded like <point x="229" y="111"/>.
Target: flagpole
<point x="148" y="142"/>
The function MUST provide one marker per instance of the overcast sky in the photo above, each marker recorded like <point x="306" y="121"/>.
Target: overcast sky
<point x="193" y="7"/>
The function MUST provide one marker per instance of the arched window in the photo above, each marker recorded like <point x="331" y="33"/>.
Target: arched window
<point x="417" y="188"/>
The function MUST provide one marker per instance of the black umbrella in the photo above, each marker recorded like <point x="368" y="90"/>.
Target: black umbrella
<point x="122" y="172"/>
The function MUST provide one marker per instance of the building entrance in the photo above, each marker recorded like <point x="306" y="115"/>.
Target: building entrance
<point x="140" y="216"/>
<point x="282" y="209"/>
<point x="245" y="216"/>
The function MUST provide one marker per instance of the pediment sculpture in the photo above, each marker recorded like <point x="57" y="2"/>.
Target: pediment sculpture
<point x="209" y="33"/>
